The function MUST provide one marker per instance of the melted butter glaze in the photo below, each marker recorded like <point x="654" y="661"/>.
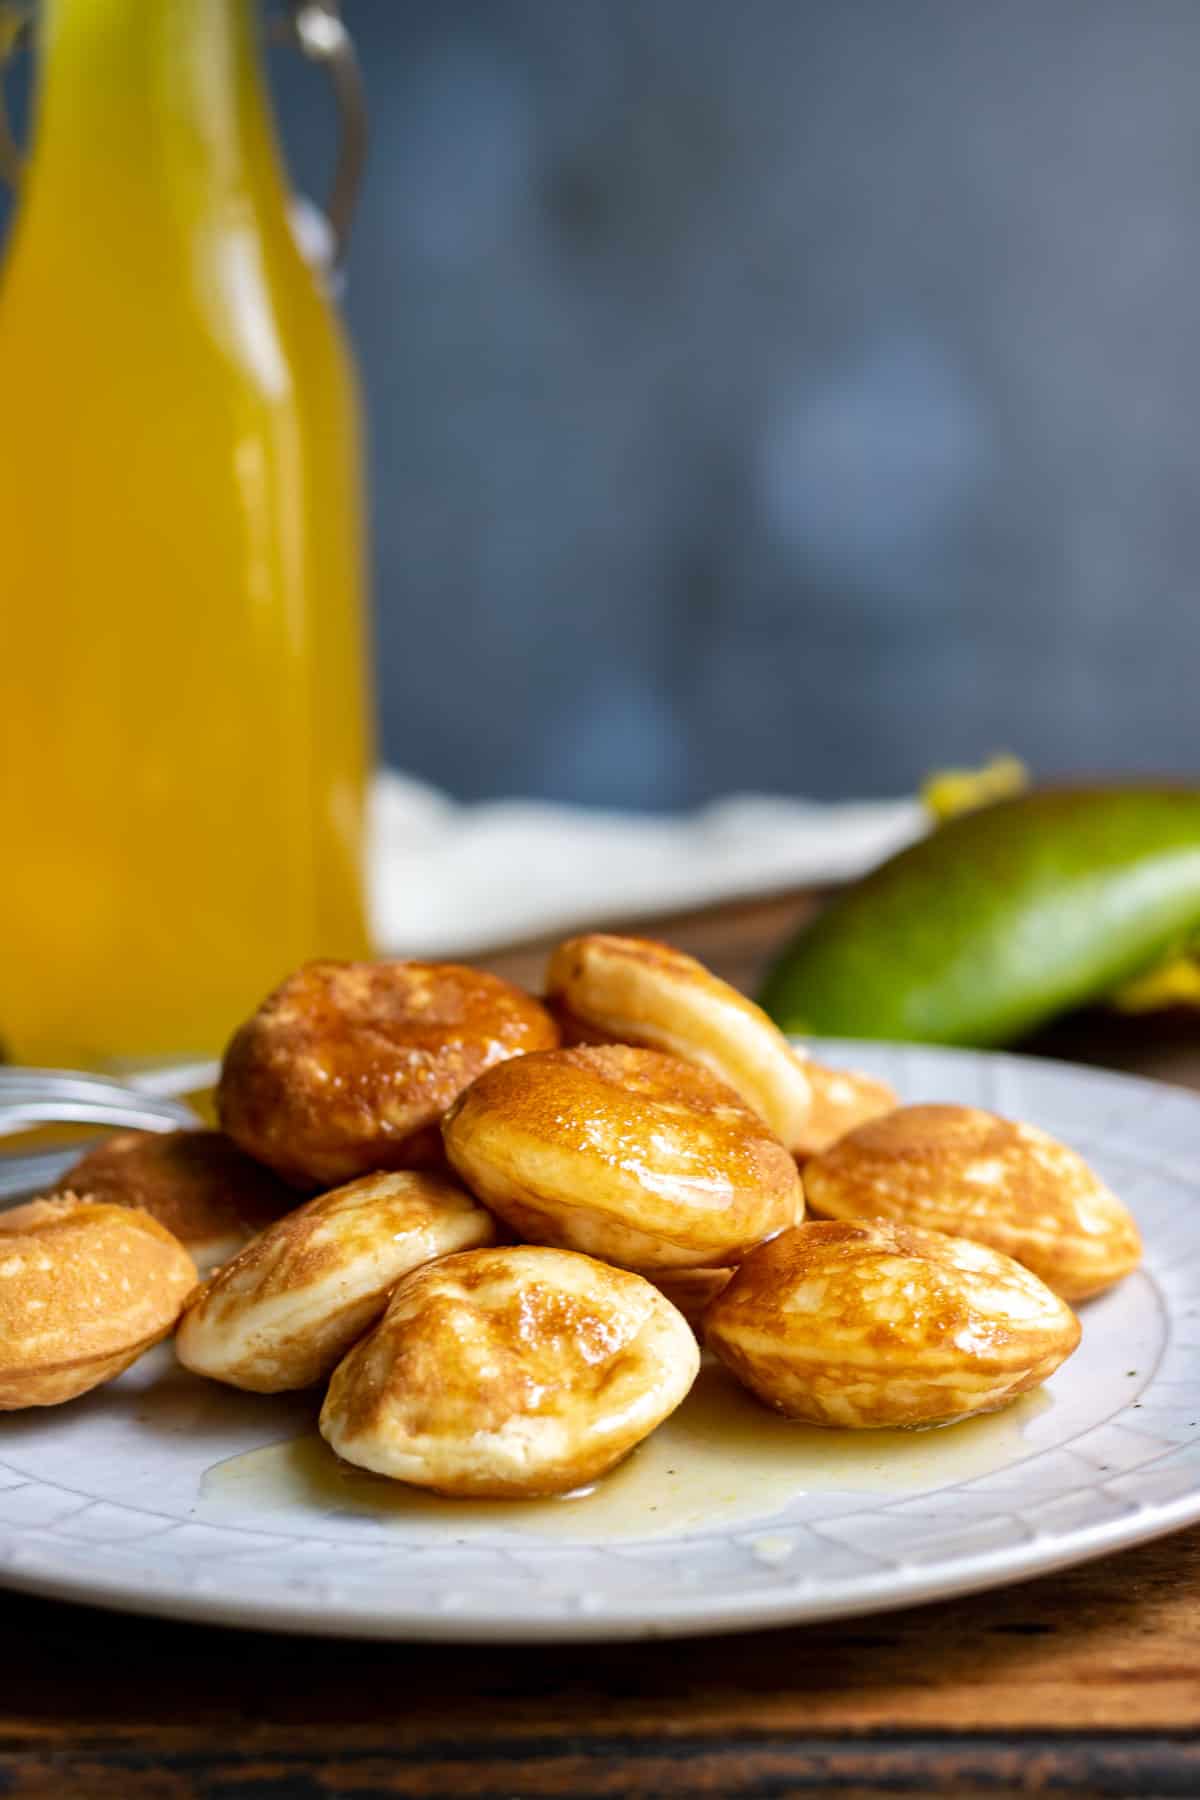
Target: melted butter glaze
<point x="721" y="1459"/>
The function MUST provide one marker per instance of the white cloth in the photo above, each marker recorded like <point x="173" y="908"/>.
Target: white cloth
<point x="448" y="879"/>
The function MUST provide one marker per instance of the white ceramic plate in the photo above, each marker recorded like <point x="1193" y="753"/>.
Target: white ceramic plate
<point x="114" y="1499"/>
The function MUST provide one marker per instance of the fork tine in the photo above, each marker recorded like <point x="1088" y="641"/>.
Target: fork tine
<point x="178" y="1078"/>
<point x="135" y="1112"/>
<point x="46" y="1084"/>
<point x="61" y="1096"/>
<point x="21" y="1176"/>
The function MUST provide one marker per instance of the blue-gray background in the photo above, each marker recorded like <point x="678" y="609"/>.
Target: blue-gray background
<point x="778" y="394"/>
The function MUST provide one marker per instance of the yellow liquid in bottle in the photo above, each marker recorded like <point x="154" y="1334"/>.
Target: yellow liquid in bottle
<point x="183" y="749"/>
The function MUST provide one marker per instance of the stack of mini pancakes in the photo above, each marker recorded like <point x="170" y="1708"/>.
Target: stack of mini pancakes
<point x="495" y="1228"/>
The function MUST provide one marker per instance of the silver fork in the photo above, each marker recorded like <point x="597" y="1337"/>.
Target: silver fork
<point x="66" y="1096"/>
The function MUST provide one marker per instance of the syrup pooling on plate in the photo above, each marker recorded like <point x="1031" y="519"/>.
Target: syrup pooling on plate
<point x="721" y="1459"/>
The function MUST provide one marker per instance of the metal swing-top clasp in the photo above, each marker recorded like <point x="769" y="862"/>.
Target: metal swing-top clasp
<point x="318" y="31"/>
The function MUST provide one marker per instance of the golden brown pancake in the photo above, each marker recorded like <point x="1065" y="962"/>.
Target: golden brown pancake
<point x="960" y="1170"/>
<point x="348" y="1067"/>
<point x="642" y="992"/>
<point x="573" y="1031"/>
<point x="639" y="1158"/>
<point x="874" y="1324"/>
<point x="290" y="1304"/>
<point x="841" y="1100"/>
<point x="206" y="1191"/>
<point x="692" y="1291"/>
<point x="85" y="1288"/>
<point x="510" y="1374"/>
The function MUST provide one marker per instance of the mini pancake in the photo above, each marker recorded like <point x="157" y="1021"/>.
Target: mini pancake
<point x="873" y="1324"/>
<point x="85" y="1288"/>
<point x="639" y="1158"/>
<point x="510" y="1374"/>
<point x="957" y="1169"/>
<point x="198" y="1184"/>
<point x="573" y="1031"/>
<point x="348" y="1067"/>
<point x="643" y="992"/>
<point x="289" y="1305"/>
<point x="841" y="1100"/>
<point x="692" y="1291"/>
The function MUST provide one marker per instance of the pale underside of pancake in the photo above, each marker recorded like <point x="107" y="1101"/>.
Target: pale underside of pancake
<point x="289" y="1305"/>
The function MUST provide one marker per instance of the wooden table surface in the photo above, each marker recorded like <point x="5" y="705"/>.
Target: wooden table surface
<point x="1084" y="1683"/>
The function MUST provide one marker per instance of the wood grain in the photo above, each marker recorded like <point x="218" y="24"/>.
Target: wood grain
<point x="1112" y="1643"/>
<point x="1085" y="1683"/>
<point x="766" y="1766"/>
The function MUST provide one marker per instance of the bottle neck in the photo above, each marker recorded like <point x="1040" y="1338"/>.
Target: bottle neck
<point x="150" y="108"/>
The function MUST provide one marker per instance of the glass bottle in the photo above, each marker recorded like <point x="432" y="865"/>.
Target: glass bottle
<point x="183" y="716"/>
